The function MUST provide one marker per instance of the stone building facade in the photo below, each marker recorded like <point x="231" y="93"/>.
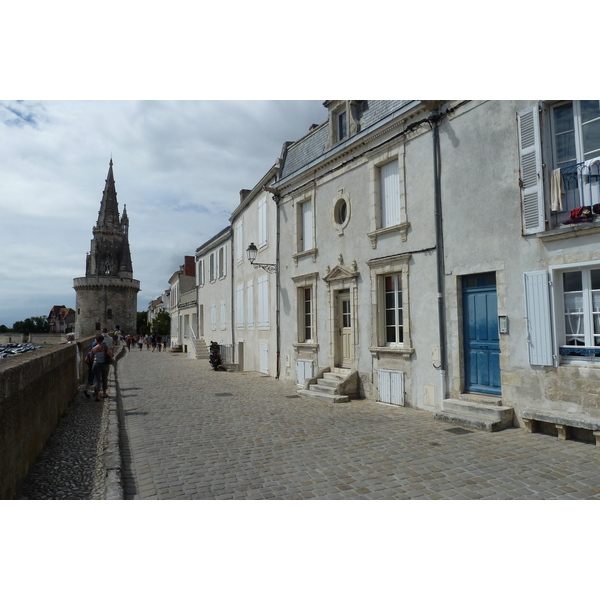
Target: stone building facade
<point x="107" y="295"/>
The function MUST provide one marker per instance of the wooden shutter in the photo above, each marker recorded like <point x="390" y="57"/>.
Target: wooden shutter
<point x="390" y="194"/>
<point x="240" y="305"/>
<point x="391" y="386"/>
<point x="213" y="316"/>
<point x="262" y="222"/>
<point x="307" y="228"/>
<point x="239" y="241"/>
<point x="250" y="296"/>
<point x="223" y="315"/>
<point x="264" y="357"/>
<point x="532" y="182"/>
<point x="539" y="323"/>
<point x="263" y="301"/>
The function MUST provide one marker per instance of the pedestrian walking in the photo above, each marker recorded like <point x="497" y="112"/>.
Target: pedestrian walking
<point x="140" y="343"/>
<point x="148" y="340"/>
<point x="101" y="359"/>
<point x="153" y="342"/>
<point x="128" y="340"/>
<point x="159" y="342"/>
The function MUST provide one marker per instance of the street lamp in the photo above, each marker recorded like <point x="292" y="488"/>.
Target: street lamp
<point x="252" y="252"/>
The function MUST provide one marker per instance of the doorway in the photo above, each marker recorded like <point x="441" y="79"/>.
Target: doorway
<point x="481" y="341"/>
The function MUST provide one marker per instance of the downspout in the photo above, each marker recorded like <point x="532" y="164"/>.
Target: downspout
<point x="277" y="198"/>
<point x="233" y="298"/>
<point x="435" y="118"/>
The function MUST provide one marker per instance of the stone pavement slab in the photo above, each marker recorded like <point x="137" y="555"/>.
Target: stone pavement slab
<point x="189" y="432"/>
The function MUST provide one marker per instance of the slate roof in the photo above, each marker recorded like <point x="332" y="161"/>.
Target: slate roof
<point x="313" y="145"/>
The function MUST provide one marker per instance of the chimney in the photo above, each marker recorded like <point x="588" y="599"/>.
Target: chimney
<point x="244" y="195"/>
<point x="189" y="266"/>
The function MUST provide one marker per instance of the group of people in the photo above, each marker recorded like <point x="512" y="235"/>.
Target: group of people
<point x="101" y="355"/>
<point x="150" y="341"/>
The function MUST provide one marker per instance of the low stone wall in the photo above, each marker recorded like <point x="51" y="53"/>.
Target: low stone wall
<point x="35" y="390"/>
<point x="35" y="338"/>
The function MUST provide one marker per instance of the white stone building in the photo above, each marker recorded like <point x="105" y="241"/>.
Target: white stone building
<point x="255" y="297"/>
<point x="213" y="288"/>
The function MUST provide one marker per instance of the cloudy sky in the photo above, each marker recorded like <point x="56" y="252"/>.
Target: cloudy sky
<point x="178" y="166"/>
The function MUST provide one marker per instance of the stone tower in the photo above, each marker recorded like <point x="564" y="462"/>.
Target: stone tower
<point x="107" y="295"/>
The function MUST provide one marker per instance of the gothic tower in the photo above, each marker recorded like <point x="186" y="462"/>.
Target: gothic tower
<point x="107" y="295"/>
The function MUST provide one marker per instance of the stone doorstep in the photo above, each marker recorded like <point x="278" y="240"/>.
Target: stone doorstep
<point x="335" y="398"/>
<point x="562" y="421"/>
<point x="483" y="416"/>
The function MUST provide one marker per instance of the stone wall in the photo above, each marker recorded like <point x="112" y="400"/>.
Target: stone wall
<point x="35" y="390"/>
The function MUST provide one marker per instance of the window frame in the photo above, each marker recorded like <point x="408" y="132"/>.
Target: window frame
<point x="377" y="228"/>
<point x="590" y="354"/>
<point x="381" y="268"/>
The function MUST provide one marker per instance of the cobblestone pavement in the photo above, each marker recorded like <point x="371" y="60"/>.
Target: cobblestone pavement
<point x="192" y="433"/>
<point x="70" y="467"/>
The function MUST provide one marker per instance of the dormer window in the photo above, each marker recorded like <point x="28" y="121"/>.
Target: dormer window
<point x="342" y="128"/>
<point x="343" y="120"/>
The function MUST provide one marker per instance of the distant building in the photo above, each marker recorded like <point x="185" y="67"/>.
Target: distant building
<point x="107" y="295"/>
<point x="61" y="319"/>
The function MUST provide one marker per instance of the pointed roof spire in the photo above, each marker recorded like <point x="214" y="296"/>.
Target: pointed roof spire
<point x="108" y="216"/>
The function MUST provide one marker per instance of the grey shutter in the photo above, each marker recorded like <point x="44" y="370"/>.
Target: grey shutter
<point x="539" y="324"/>
<point x="530" y="162"/>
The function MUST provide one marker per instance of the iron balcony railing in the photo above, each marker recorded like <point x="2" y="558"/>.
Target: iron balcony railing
<point x="581" y="184"/>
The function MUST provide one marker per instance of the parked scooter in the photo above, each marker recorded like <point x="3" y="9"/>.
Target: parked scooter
<point x="215" y="357"/>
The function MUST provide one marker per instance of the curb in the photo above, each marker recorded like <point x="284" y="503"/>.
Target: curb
<point x="113" y="463"/>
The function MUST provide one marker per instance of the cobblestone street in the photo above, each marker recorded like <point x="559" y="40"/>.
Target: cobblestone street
<point x="192" y="433"/>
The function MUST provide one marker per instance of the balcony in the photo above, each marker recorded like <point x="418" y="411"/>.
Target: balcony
<point x="581" y="186"/>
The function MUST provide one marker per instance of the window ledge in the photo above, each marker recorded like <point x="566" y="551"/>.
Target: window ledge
<point x="401" y="227"/>
<point x="389" y="350"/>
<point x="312" y="252"/>
<point x="563" y="232"/>
<point x="303" y="346"/>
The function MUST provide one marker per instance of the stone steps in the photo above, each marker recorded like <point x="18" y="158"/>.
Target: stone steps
<point x="478" y="413"/>
<point x="327" y="387"/>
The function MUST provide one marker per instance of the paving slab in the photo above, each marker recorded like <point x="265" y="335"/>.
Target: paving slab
<point x="189" y="432"/>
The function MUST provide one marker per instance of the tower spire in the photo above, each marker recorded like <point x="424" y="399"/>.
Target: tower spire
<point x="108" y="215"/>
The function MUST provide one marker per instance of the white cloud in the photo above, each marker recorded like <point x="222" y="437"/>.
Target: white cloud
<point x="178" y="166"/>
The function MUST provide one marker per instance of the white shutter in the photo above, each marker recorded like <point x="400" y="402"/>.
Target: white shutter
<point x="223" y="315"/>
<point x="304" y="370"/>
<point x="263" y="301"/>
<point x="250" y="296"/>
<point x="239" y="240"/>
<point x="390" y="194"/>
<point x="391" y="386"/>
<point x="532" y="183"/>
<point x="539" y="325"/>
<point x="213" y="316"/>
<point x="262" y="222"/>
<point x="264" y="357"/>
<point x="307" y="228"/>
<point x="239" y="312"/>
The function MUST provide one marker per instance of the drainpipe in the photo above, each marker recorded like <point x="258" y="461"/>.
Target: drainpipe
<point x="434" y="118"/>
<point x="277" y="288"/>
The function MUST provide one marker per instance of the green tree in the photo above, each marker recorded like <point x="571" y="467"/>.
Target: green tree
<point x="142" y="323"/>
<point x="32" y="325"/>
<point x="161" y="324"/>
<point x="4" y="329"/>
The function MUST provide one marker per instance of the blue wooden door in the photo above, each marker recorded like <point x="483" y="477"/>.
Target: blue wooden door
<point x="480" y="334"/>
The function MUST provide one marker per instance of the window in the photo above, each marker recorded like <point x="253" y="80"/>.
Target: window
<point x="581" y="311"/>
<point x="387" y="195"/>
<point x="306" y="226"/>
<point x="306" y="314"/>
<point x="390" y="194"/>
<point x="389" y="308"/>
<point x="200" y="272"/>
<point x="263" y="301"/>
<point x="394" y="333"/>
<point x="342" y="128"/>
<point x="573" y="317"/>
<point x="222" y="265"/>
<point x="212" y="267"/>
<point x="576" y="129"/>
<point x="262" y="222"/>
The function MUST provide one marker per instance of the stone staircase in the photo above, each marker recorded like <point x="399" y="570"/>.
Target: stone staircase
<point x="477" y="411"/>
<point x="202" y="351"/>
<point x="334" y="385"/>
